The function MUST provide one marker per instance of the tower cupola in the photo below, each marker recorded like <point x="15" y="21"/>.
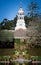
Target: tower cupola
<point x="20" y="12"/>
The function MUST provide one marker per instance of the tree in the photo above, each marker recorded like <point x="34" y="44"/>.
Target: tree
<point x="8" y="24"/>
<point x="0" y="26"/>
<point x="33" y="9"/>
<point x="15" y="21"/>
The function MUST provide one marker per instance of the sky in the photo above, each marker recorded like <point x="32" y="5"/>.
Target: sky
<point x="9" y="8"/>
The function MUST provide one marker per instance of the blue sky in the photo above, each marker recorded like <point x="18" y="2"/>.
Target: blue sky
<point x="9" y="8"/>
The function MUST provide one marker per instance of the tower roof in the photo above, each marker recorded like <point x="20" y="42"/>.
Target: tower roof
<point x="20" y="11"/>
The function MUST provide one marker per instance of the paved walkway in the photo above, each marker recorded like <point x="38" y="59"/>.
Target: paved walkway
<point x="4" y="61"/>
<point x="20" y="61"/>
<point x="36" y="61"/>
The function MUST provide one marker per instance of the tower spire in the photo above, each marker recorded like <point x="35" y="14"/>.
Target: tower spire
<point x="20" y="3"/>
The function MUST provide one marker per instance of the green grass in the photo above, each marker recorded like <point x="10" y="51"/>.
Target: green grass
<point x="17" y="41"/>
<point x="37" y="58"/>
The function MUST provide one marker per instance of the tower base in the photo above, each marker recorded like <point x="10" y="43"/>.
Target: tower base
<point x="19" y="27"/>
<point x="20" y="33"/>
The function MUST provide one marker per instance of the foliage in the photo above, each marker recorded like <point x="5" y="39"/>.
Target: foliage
<point x="6" y="39"/>
<point x="17" y="41"/>
<point x="3" y="58"/>
<point x="36" y="58"/>
<point x="6" y="35"/>
<point x="8" y="24"/>
<point x="33" y="9"/>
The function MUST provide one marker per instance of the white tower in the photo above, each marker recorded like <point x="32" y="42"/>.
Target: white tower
<point x="20" y="20"/>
